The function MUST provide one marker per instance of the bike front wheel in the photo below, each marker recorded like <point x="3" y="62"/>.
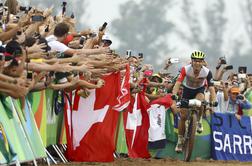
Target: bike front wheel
<point x="189" y="140"/>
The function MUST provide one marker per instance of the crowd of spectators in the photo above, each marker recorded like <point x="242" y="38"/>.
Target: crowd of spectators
<point x="39" y="51"/>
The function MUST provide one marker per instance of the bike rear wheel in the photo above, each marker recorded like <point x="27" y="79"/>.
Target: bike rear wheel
<point x="189" y="140"/>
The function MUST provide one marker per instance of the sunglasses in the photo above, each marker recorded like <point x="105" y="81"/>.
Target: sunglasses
<point x="235" y="93"/>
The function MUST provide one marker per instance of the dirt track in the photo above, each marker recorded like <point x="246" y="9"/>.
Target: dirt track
<point x="160" y="162"/>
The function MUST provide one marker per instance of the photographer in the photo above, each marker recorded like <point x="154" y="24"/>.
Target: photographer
<point x="237" y="102"/>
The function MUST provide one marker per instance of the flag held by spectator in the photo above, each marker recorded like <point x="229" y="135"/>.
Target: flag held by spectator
<point x="124" y="97"/>
<point x="136" y="124"/>
<point x="94" y="123"/>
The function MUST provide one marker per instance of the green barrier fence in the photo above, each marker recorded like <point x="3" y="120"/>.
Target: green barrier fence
<point x="24" y="133"/>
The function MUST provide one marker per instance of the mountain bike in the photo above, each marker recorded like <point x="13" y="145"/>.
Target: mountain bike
<point x="191" y="123"/>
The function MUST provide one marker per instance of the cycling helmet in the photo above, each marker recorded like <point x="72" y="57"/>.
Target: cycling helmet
<point x="198" y="55"/>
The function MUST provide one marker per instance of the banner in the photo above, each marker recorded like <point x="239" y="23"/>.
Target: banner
<point x="14" y="131"/>
<point x="38" y="105"/>
<point x="232" y="139"/>
<point x="50" y="125"/>
<point x="30" y="128"/>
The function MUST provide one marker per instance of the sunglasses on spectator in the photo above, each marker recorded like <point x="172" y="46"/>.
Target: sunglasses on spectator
<point x="235" y="93"/>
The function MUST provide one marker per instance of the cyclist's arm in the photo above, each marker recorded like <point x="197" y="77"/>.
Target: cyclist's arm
<point x="176" y="88"/>
<point x="211" y="87"/>
<point x="179" y="81"/>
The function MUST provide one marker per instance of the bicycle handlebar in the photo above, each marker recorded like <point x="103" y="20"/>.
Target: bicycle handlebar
<point x="186" y="103"/>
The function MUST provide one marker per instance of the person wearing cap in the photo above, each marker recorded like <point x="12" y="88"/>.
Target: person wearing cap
<point x="194" y="78"/>
<point x="155" y="88"/>
<point x="106" y="41"/>
<point x="237" y="102"/>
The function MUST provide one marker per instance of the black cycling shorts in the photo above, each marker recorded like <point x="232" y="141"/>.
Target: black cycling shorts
<point x="191" y="93"/>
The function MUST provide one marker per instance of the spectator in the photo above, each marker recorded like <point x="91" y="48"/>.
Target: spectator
<point x="237" y="102"/>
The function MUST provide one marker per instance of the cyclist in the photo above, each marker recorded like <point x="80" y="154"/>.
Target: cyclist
<point x="194" y="78"/>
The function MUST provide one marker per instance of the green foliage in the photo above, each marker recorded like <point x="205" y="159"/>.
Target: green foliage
<point x="215" y="24"/>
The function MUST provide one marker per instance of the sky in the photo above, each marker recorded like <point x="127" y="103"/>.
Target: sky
<point x="99" y="11"/>
<point x="109" y="10"/>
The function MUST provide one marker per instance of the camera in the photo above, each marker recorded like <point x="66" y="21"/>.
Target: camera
<point x="223" y="60"/>
<point x="37" y="18"/>
<point x="240" y="97"/>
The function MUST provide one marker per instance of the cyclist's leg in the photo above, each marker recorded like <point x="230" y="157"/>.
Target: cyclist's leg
<point x="201" y="97"/>
<point x="186" y="94"/>
<point x="181" y="129"/>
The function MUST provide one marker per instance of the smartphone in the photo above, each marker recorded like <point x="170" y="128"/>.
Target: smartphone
<point x="229" y="67"/>
<point x="217" y="83"/>
<point x="1" y="57"/>
<point x="19" y="33"/>
<point x="242" y="76"/>
<point x="22" y="8"/>
<point x="72" y="15"/>
<point x="37" y="18"/>
<point x="242" y="69"/>
<point x="47" y="28"/>
<point x="174" y="60"/>
<point x="128" y="53"/>
<point x="103" y="26"/>
<point x="82" y="40"/>
<point x="140" y="55"/>
<point x="92" y="35"/>
<point x="29" y="76"/>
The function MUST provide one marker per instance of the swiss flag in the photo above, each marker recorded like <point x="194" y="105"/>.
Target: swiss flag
<point x="124" y="97"/>
<point x="136" y="124"/>
<point x="166" y="101"/>
<point x="91" y="130"/>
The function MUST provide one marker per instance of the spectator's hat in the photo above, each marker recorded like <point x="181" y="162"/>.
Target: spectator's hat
<point x="235" y="89"/>
<point x="106" y="39"/>
<point x="158" y="77"/>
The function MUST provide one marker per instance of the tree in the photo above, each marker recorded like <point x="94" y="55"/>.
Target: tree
<point x="143" y="27"/>
<point x="215" y="23"/>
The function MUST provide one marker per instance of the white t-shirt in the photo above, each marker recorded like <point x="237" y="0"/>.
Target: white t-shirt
<point x="157" y="122"/>
<point x="222" y="104"/>
<point x="56" y="45"/>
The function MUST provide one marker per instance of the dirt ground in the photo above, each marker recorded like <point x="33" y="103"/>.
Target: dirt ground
<point x="159" y="162"/>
